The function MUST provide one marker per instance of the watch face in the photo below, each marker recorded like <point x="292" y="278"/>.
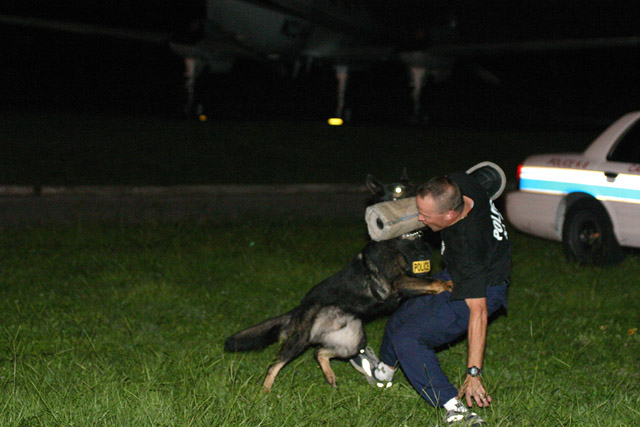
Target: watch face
<point x="473" y="371"/>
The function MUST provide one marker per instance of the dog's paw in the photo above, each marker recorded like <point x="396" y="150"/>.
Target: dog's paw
<point x="441" y="286"/>
<point x="448" y="286"/>
<point x="331" y="380"/>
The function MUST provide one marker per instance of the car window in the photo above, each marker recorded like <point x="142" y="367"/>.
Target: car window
<point x="628" y="147"/>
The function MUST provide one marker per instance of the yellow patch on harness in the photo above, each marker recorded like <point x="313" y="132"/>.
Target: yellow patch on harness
<point x="421" y="266"/>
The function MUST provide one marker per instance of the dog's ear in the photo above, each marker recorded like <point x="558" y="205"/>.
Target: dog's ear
<point x="376" y="187"/>
<point x="404" y="179"/>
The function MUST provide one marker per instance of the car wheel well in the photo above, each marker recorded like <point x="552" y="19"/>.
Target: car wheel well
<point x="587" y="232"/>
<point x="566" y="203"/>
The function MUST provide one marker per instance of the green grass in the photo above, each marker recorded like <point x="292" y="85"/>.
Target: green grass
<point x="123" y="325"/>
<point x="76" y="149"/>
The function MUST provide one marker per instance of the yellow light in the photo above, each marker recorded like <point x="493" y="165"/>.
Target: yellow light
<point x="335" y="121"/>
<point x="202" y="117"/>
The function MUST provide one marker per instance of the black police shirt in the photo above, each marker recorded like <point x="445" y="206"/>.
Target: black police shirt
<point x="476" y="250"/>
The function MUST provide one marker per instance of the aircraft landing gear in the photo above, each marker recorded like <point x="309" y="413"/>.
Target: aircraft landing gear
<point x="342" y="75"/>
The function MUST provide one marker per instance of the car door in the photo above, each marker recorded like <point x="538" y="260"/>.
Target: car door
<point x="621" y="178"/>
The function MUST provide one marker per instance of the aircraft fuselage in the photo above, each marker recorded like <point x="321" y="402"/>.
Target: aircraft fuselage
<point x="293" y="28"/>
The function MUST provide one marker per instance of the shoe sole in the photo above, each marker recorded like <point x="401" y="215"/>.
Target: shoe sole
<point x="358" y="368"/>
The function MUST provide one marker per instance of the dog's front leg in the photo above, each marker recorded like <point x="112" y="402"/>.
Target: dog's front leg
<point x="323" y="356"/>
<point x="417" y="286"/>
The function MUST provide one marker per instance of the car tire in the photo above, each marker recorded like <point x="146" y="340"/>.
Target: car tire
<point x="587" y="234"/>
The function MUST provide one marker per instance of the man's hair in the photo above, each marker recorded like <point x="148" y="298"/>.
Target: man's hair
<point x="445" y="193"/>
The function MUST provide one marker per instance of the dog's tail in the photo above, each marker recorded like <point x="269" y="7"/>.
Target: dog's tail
<point x="258" y="336"/>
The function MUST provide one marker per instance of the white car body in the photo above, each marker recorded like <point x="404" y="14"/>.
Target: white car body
<point x="550" y="183"/>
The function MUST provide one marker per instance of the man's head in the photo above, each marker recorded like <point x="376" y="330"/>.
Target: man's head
<point x="440" y="203"/>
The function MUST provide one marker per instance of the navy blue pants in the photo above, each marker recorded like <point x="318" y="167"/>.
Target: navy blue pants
<point x="422" y="324"/>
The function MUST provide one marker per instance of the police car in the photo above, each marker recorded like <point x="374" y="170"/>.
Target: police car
<point x="590" y="201"/>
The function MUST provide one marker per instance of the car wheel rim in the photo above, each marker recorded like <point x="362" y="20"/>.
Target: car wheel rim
<point x="589" y="236"/>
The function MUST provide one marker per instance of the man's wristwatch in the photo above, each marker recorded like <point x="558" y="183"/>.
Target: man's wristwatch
<point x="474" y="371"/>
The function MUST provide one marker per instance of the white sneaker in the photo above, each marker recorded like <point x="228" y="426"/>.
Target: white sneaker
<point x="375" y="372"/>
<point x="461" y="416"/>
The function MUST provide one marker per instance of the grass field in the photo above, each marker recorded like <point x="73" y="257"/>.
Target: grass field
<point x="122" y="325"/>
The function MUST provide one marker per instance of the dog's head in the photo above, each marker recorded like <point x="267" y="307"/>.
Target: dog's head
<point x="381" y="192"/>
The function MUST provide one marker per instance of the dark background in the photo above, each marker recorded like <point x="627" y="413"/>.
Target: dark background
<point x="46" y="70"/>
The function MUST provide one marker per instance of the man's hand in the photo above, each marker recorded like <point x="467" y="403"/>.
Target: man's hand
<point x="472" y="387"/>
<point x="473" y="390"/>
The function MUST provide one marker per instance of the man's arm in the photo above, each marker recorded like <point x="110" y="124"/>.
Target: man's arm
<point x="472" y="387"/>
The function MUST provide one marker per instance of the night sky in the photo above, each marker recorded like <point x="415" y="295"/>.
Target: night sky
<point x="45" y="70"/>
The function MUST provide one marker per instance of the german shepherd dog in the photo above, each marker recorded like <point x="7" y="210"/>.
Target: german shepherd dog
<point x="331" y="314"/>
